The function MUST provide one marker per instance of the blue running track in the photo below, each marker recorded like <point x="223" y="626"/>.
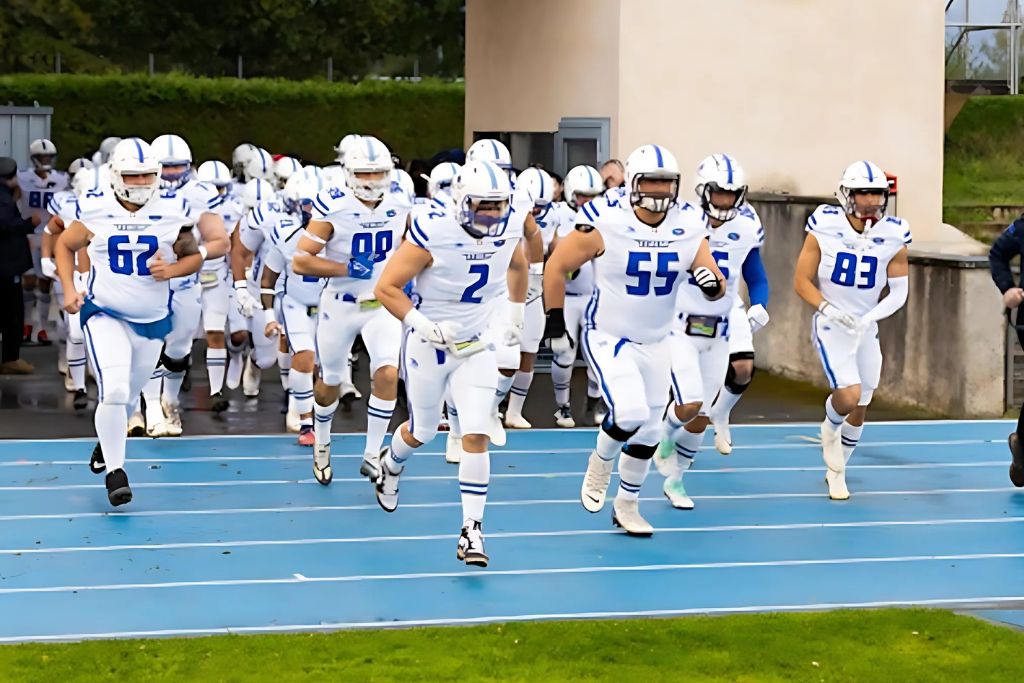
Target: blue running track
<point x="232" y="534"/>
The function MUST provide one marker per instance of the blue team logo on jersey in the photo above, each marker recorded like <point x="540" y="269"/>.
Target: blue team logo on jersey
<point x="879" y="240"/>
<point x="678" y="231"/>
<point x="734" y="236"/>
<point x="391" y="213"/>
<point x="335" y="193"/>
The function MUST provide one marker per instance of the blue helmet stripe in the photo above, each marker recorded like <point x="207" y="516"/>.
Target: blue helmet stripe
<point x="138" y="148"/>
<point x="170" y="147"/>
<point x="657" y="153"/>
<point x="494" y="178"/>
<point x="494" y="147"/>
<point x="540" y="174"/>
<point x="728" y="167"/>
<point x="590" y="175"/>
<point x="371" y="153"/>
<point x="259" y="194"/>
<point x="871" y="176"/>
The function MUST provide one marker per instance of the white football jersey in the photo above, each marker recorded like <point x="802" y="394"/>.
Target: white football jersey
<point x="120" y="249"/>
<point x="581" y="283"/>
<point x="254" y="232"/>
<point x="63" y="205"/>
<point x="36" y="192"/>
<point x="730" y="244"/>
<point x="230" y="210"/>
<point x="284" y="238"/>
<point x="852" y="270"/>
<point x="466" y="277"/>
<point x="361" y="230"/>
<point x="637" y="276"/>
<point x="548" y="222"/>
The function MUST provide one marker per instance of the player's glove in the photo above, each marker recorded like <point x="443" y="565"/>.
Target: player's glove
<point x="709" y="284"/>
<point x="360" y="267"/>
<point x="758" y="317"/>
<point x="49" y="268"/>
<point x="555" y="333"/>
<point x="535" y="287"/>
<point x="513" y="332"/>
<point x="848" y="322"/>
<point x="245" y="301"/>
<point x="440" y="335"/>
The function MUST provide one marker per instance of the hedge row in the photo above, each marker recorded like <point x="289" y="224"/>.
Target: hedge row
<point x="215" y="114"/>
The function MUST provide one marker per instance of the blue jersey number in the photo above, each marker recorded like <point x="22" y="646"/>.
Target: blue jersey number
<point x="378" y="244"/>
<point x="482" y="271"/>
<point x="121" y="254"/>
<point x="665" y="271"/>
<point x="39" y="200"/>
<point x="848" y="272"/>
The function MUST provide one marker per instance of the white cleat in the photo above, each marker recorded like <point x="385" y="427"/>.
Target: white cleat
<point x="292" y="422"/>
<point x="676" y="493"/>
<point x="172" y="418"/>
<point x="251" y="379"/>
<point x="563" y="417"/>
<point x="387" y="484"/>
<point x="69" y="384"/>
<point x="513" y="421"/>
<point x="595" y="482"/>
<point x="837" y="485"/>
<point x="233" y="376"/>
<point x="626" y="514"/>
<point x="832" y="447"/>
<point x="322" y="463"/>
<point x="497" y="433"/>
<point x="723" y="436"/>
<point x="471" y="545"/>
<point x="453" y="449"/>
<point x="136" y="424"/>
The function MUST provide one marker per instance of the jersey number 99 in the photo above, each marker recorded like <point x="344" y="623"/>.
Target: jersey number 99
<point x="121" y="261"/>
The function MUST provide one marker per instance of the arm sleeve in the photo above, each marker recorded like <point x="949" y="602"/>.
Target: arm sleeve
<point x="756" y="278"/>
<point x="899" y="287"/>
<point x="1003" y="249"/>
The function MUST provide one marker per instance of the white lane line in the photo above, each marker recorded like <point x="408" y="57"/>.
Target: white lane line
<point x="986" y="602"/>
<point x="728" y="528"/>
<point x="477" y="574"/>
<point x="500" y="475"/>
<point x="490" y="503"/>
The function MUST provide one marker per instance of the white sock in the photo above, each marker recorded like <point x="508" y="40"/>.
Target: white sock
<point x="284" y="365"/>
<point x="453" y="419"/>
<point x="504" y="384"/>
<point x="831" y="414"/>
<point x="378" y="417"/>
<point x="687" y="445"/>
<point x="671" y="426"/>
<point x="172" y="386"/>
<point x="323" y="416"/>
<point x="726" y="401"/>
<point x="398" y="453"/>
<point x="151" y="389"/>
<point x="41" y="312"/>
<point x="216" y="364"/>
<point x="112" y="429"/>
<point x="76" y="363"/>
<point x="561" y="378"/>
<point x="300" y="391"/>
<point x="607" y="447"/>
<point x="474" y="475"/>
<point x="632" y="473"/>
<point x="851" y="435"/>
<point x="520" y="387"/>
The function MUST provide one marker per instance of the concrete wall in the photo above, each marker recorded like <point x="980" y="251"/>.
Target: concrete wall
<point x="945" y="351"/>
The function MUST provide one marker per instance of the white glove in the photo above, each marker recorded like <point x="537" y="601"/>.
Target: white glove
<point x="850" y="323"/>
<point x="707" y="281"/>
<point x="81" y="281"/>
<point x="246" y="303"/>
<point x="271" y="328"/>
<point x="758" y="317"/>
<point x="439" y="335"/>
<point x="535" y="287"/>
<point x="49" y="268"/>
<point x="513" y="332"/>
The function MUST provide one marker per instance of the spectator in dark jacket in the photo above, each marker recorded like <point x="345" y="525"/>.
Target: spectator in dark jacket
<point x="15" y="259"/>
<point x="1009" y="245"/>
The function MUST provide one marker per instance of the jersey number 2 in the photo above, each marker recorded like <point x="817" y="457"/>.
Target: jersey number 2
<point x="121" y="254"/>
<point x="663" y="270"/>
<point x="482" y="271"/>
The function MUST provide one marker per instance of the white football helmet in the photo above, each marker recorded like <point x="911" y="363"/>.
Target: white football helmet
<point x="370" y="155"/>
<point x="720" y="173"/>
<point x="343" y="146"/>
<point x="259" y="165"/>
<point x="79" y="164"/>
<point x="43" y="154"/>
<point x="581" y="180"/>
<point x="652" y="162"/>
<point x="863" y="177"/>
<point x="481" y="185"/>
<point x="85" y="180"/>
<point x="239" y="156"/>
<point x="214" y="172"/>
<point x="441" y="177"/>
<point x="134" y="157"/>
<point x="300" y="190"/>
<point x="284" y="168"/>
<point x="493" y="151"/>
<point x="539" y="186"/>
<point x="256" y="191"/>
<point x="404" y="181"/>
<point x="172" y="150"/>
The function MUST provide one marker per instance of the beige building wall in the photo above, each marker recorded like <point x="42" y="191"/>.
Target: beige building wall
<point x="795" y="89"/>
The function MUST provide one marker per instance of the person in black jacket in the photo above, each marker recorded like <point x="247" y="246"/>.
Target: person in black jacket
<point x="1009" y="245"/>
<point x="15" y="259"/>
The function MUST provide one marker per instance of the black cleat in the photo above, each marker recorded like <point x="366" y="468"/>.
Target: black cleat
<point x="118" y="492"/>
<point x="218" y="402"/>
<point x="347" y="399"/>
<point x="81" y="400"/>
<point x="97" y="465"/>
<point x="1017" y="466"/>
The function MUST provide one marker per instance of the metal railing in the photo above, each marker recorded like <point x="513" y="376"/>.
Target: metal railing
<point x="983" y="42"/>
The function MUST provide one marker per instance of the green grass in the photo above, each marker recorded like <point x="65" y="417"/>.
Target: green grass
<point x="983" y="164"/>
<point x="883" y="645"/>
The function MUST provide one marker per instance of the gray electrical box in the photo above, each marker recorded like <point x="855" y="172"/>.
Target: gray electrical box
<point x="18" y="127"/>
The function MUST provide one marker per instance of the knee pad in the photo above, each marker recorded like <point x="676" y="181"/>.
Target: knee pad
<point x="866" y="394"/>
<point x="175" y="364"/>
<point x="616" y="432"/>
<point x="424" y="433"/>
<point x="730" y="377"/>
<point x="639" y="451"/>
